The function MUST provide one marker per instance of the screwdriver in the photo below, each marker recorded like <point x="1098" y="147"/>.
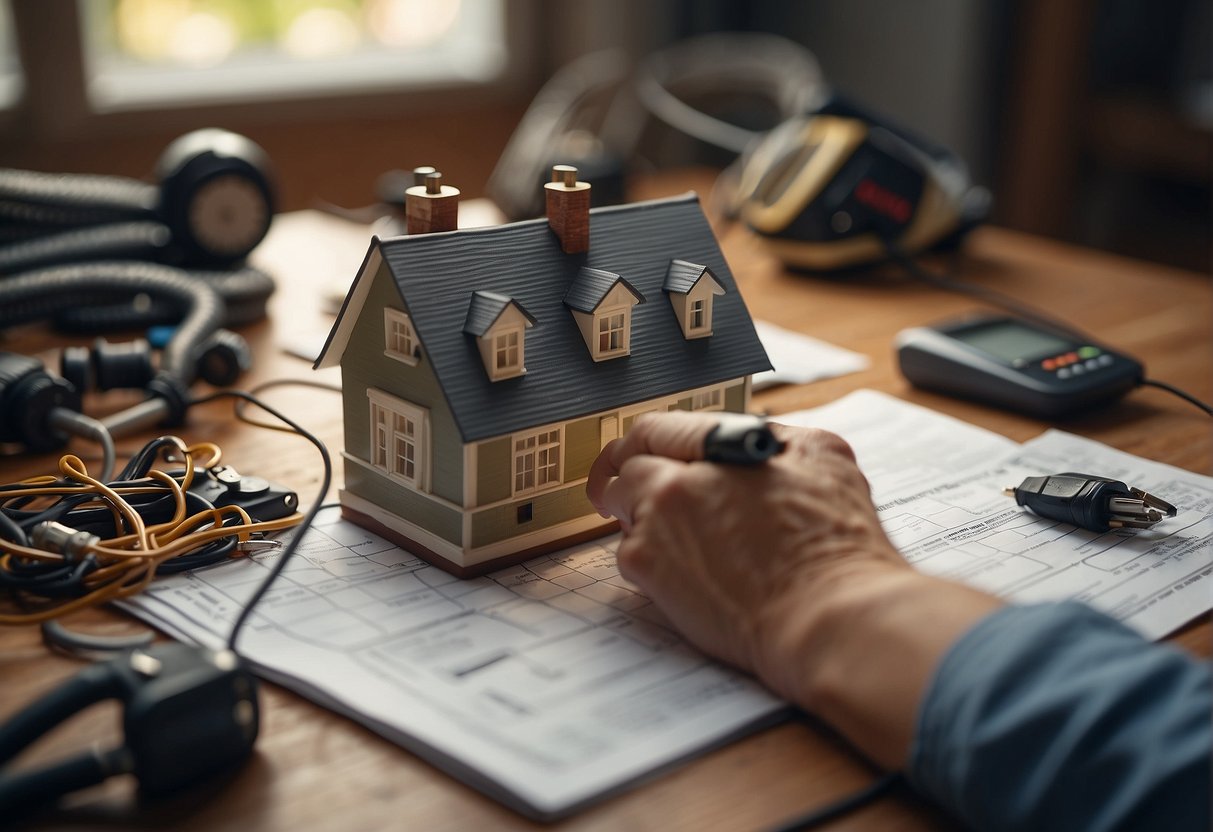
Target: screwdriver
<point x="1095" y="503"/>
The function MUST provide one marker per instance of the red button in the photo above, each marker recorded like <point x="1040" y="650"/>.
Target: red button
<point x="1048" y="364"/>
<point x="1071" y="357"/>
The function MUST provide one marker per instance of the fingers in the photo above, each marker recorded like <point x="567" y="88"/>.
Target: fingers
<point x="639" y="477"/>
<point x="674" y="435"/>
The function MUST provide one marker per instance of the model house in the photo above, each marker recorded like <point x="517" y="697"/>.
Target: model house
<point x="484" y="369"/>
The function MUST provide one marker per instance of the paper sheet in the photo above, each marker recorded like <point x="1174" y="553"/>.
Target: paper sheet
<point x="799" y="359"/>
<point x="937" y="483"/>
<point x="555" y="683"/>
<point x="544" y="685"/>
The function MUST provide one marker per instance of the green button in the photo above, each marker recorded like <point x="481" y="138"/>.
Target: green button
<point x="1088" y="352"/>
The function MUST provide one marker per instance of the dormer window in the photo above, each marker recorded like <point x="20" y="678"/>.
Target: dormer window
<point x="507" y="352"/>
<point x="691" y="289"/>
<point x="601" y="303"/>
<point x="499" y="324"/>
<point x="613" y="332"/>
<point x="400" y="339"/>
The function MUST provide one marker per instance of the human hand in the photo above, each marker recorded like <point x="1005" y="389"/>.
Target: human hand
<point x="741" y="558"/>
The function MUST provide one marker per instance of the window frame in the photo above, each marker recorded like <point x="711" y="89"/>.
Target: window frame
<point x="698" y="306"/>
<point x="603" y="316"/>
<point x="387" y="444"/>
<point x="56" y="104"/>
<point x="398" y="323"/>
<point x="533" y="452"/>
<point x="516" y="367"/>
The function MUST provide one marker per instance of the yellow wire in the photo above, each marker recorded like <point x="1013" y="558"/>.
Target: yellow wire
<point x="127" y="562"/>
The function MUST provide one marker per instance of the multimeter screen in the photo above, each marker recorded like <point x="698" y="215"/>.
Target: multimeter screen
<point x="1013" y="342"/>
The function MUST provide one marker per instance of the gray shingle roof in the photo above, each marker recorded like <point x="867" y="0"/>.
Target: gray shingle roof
<point x="590" y="286"/>
<point x="485" y="308"/>
<point x="438" y="274"/>
<point x="682" y="276"/>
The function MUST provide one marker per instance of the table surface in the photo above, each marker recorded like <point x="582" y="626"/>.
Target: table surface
<point x="313" y="769"/>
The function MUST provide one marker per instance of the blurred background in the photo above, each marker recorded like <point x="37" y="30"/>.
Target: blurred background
<point x="1090" y="121"/>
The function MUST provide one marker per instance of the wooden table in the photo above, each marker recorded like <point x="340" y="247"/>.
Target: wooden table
<point x="315" y="770"/>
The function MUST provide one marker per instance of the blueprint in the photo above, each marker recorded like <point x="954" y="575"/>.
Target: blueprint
<point x="545" y="685"/>
<point x="554" y="683"/>
<point x="937" y="483"/>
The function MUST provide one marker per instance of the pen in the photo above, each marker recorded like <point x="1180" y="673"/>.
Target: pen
<point x="741" y="439"/>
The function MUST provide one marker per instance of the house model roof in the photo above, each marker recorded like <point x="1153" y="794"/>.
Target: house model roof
<point x="590" y="286"/>
<point x="454" y="280"/>
<point x="486" y="308"/>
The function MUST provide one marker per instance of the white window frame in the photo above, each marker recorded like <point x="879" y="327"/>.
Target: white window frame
<point x="700" y="307"/>
<point x="389" y="438"/>
<point x="543" y="450"/>
<point x="604" y="316"/>
<point x="399" y="337"/>
<point x="515" y="367"/>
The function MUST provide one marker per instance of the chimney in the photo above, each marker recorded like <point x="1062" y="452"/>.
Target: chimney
<point x="568" y="204"/>
<point x="429" y="205"/>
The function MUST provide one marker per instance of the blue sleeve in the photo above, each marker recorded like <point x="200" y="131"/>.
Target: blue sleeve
<point x="1055" y="716"/>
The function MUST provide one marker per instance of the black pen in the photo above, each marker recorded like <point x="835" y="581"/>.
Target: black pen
<point x="741" y="439"/>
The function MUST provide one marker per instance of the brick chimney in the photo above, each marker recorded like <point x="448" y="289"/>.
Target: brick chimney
<point x="568" y="205"/>
<point x="429" y="205"/>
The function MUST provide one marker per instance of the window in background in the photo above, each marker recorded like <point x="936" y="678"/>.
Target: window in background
<point x="156" y="52"/>
<point x="12" y="81"/>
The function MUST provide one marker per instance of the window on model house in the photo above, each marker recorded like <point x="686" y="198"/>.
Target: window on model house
<point x="536" y="461"/>
<point x="400" y="337"/>
<point x="612" y="332"/>
<point x="398" y="439"/>
<point x="698" y="316"/>
<point x="507" y="352"/>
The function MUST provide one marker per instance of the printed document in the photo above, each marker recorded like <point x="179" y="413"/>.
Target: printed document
<point x="937" y="483"/>
<point x="555" y="683"/>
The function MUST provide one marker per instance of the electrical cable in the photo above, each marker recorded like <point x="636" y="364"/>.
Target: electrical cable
<point x="842" y="806"/>
<point x="1023" y="310"/>
<point x="285" y="382"/>
<point x="35" y="295"/>
<point x="53" y="565"/>
<point x="1170" y="388"/>
<point x="303" y="525"/>
<point x="87" y="427"/>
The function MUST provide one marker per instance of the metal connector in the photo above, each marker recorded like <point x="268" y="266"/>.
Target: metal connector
<point x="56" y="537"/>
<point x="1090" y="502"/>
<point x="1140" y="511"/>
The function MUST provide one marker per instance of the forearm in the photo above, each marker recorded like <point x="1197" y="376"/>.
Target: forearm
<point x="862" y="656"/>
<point x="1055" y="716"/>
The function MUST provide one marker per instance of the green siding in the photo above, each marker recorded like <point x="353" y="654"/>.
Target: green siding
<point x="364" y="365"/>
<point x="404" y="502"/>
<point x="548" y="509"/>
<point x="581" y="446"/>
<point x="493" y="461"/>
<point x="734" y="398"/>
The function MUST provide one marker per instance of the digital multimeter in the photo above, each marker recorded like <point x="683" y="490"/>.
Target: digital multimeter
<point x="1015" y="364"/>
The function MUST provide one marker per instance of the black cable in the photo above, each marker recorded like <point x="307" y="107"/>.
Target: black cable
<point x="308" y="517"/>
<point x="843" y="806"/>
<point x="26" y="790"/>
<point x="1023" y="310"/>
<point x="282" y="382"/>
<point x="35" y="295"/>
<point x="981" y="293"/>
<point x="1170" y="388"/>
